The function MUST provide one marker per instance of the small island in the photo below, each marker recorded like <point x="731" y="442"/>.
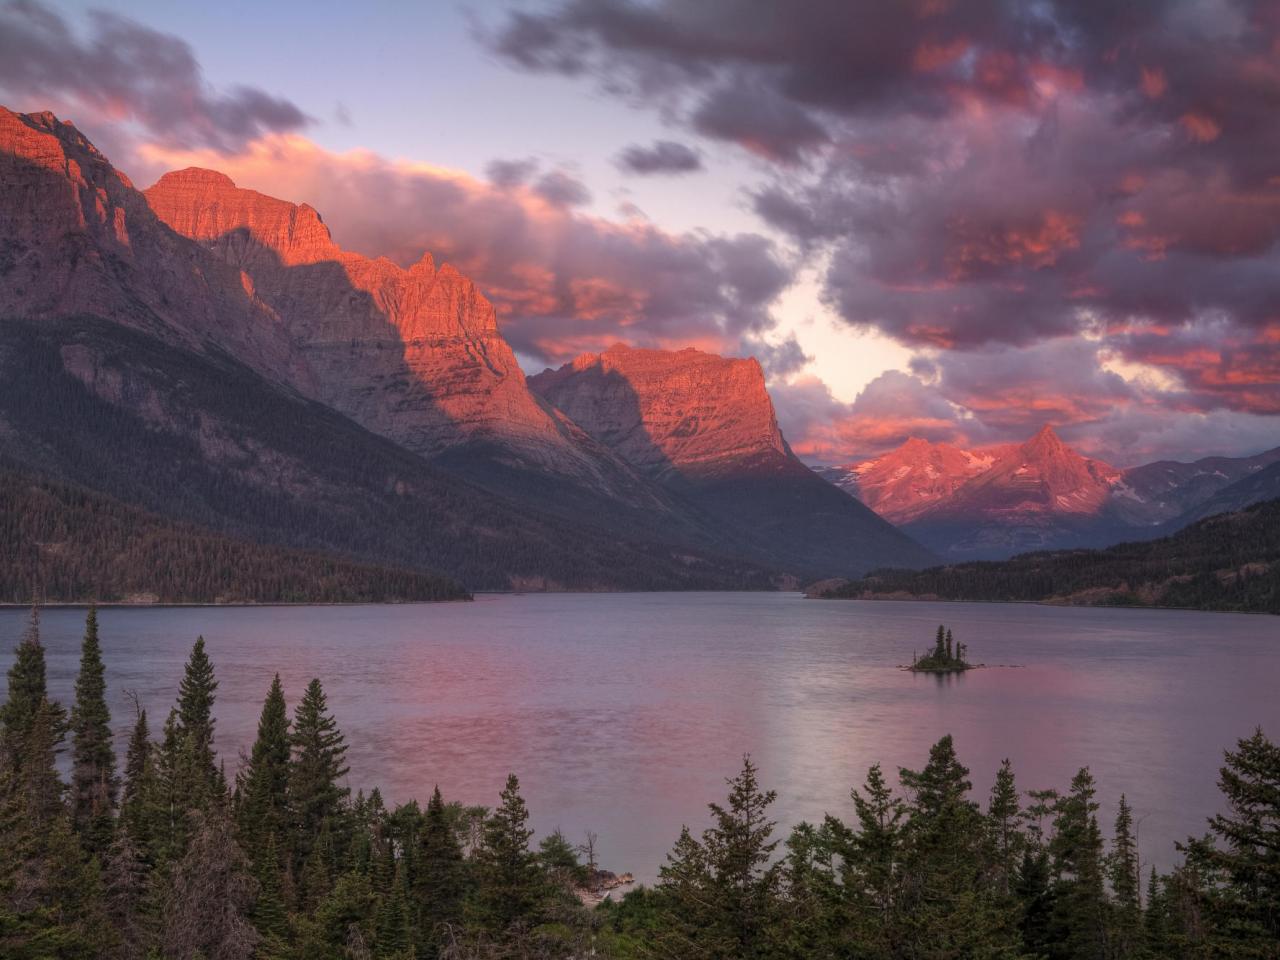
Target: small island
<point x="946" y="657"/>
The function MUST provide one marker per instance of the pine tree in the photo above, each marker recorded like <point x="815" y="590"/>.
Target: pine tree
<point x="1002" y="821"/>
<point x="1080" y="909"/>
<point x="394" y="938"/>
<point x="196" y="695"/>
<point x="510" y="883"/>
<point x="263" y="787"/>
<point x="1247" y="854"/>
<point x="93" y="779"/>
<point x="139" y="784"/>
<point x="318" y="750"/>
<point x="38" y="777"/>
<point x="440" y="882"/>
<point x="688" y="926"/>
<point x="1125" y="938"/>
<point x="722" y="893"/>
<point x="269" y="914"/>
<point x="28" y="689"/>
<point x="948" y="905"/>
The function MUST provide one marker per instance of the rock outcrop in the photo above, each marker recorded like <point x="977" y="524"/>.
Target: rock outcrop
<point x="77" y="238"/>
<point x="687" y="411"/>
<point x="704" y="427"/>
<point x="412" y="354"/>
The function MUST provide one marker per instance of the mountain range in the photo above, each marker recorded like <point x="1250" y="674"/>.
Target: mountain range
<point x="210" y="355"/>
<point x="994" y="502"/>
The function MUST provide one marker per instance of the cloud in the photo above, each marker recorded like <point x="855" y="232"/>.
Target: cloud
<point x="890" y="410"/>
<point x="126" y="71"/>
<point x="561" y="189"/>
<point x="661" y="157"/>
<point x="1030" y="195"/>
<point x="563" y="282"/>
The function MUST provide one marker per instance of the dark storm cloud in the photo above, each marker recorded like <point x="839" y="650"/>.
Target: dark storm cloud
<point x="661" y="157"/>
<point x="987" y="175"/>
<point x="127" y="71"/>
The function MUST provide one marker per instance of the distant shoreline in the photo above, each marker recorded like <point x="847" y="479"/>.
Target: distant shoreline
<point x="1047" y="603"/>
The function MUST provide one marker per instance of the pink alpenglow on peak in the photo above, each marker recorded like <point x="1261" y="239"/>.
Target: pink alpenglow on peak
<point x="661" y="409"/>
<point x="413" y="354"/>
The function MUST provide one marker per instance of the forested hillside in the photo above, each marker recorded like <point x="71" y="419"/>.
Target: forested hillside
<point x="1227" y="562"/>
<point x="63" y="543"/>
<point x="206" y="441"/>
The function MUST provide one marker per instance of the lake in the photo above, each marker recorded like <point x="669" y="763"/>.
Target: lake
<point x="624" y="713"/>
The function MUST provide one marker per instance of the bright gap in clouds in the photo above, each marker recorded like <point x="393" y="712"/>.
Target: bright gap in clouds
<point x="843" y="358"/>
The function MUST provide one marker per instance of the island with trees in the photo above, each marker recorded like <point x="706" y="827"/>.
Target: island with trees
<point x="947" y="656"/>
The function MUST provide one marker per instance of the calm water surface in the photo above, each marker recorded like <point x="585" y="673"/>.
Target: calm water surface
<point x="623" y="713"/>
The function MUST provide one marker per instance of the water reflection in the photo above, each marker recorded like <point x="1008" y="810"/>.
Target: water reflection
<point x="623" y="714"/>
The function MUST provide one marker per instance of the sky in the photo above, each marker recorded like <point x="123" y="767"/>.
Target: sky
<point x="952" y="219"/>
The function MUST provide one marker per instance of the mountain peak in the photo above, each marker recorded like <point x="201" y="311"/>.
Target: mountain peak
<point x="685" y="409"/>
<point x="1046" y="442"/>
<point x="198" y="175"/>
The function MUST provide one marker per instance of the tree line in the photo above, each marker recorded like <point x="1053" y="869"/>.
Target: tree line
<point x="1227" y="562"/>
<point x="166" y="856"/>
<point x="62" y="542"/>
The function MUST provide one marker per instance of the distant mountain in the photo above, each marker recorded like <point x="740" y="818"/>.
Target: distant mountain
<point x="1171" y="492"/>
<point x="1261" y="483"/>
<point x="994" y="502"/>
<point x="704" y="427"/>
<point x="62" y="543"/>
<point x="1226" y="562"/>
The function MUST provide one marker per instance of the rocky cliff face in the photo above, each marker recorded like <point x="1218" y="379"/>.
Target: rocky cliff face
<point x="77" y="238"/>
<point x="704" y="426"/>
<point x="685" y="411"/>
<point x="413" y="354"/>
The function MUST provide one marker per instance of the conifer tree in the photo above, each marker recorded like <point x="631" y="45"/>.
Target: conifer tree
<point x="1247" y="853"/>
<point x="318" y="752"/>
<point x="27" y="690"/>
<point x="511" y="884"/>
<point x="394" y="938"/>
<point x="440" y="881"/>
<point x="722" y="893"/>
<point x="1125" y="937"/>
<point x="38" y="777"/>
<point x="948" y="905"/>
<point x="263" y="787"/>
<point x="139" y="784"/>
<point x="689" y="926"/>
<point x="93" y="777"/>
<point x="1080" y="908"/>
<point x="196" y="695"/>
<point x="1002" y="821"/>
<point x="269" y="914"/>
